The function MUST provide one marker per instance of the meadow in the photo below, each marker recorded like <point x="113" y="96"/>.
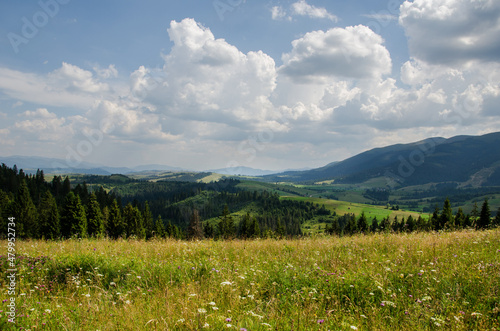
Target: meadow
<point x="417" y="281"/>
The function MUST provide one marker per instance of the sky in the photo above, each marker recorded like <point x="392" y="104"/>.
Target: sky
<point x="225" y="83"/>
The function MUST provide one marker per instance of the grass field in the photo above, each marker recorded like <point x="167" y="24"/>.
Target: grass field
<point x="420" y="281"/>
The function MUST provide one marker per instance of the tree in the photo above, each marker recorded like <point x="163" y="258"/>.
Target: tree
<point x="474" y="214"/>
<point x="25" y="213"/>
<point x="362" y="223"/>
<point x="160" y="228"/>
<point x="94" y="217"/>
<point x="484" y="217"/>
<point x="435" y="220"/>
<point x="446" y="219"/>
<point x="410" y="224"/>
<point x="49" y="221"/>
<point x="132" y="219"/>
<point x="226" y="224"/>
<point x="460" y="218"/>
<point x="195" y="230"/>
<point x="148" y="221"/>
<point x="374" y="225"/>
<point x="280" y="229"/>
<point x="74" y="219"/>
<point x="114" y="224"/>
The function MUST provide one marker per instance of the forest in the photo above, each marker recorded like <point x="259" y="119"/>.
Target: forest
<point x="58" y="209"/>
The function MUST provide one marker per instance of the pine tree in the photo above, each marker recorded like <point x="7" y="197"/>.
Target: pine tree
<point x="25" y="213"/>
<point x="484" y="218"/>
<point x="496" y="220"/>
<point x="74" y="219"/>
<point x="94" y="217"/>
<point x="410" y="224"/>
<point x="226" y="224"/>
<point x="460" y="219"/>
<point x="435" y="222"/>
<point x="280" y="229"/>
<point x="160" y="228"/>
<point x="148" y="221"/>
<point x="49" y="221"/>
<point x="195" y="230"/>
<point x="446" y="220"/>
<point x="362" y="223"/>
<point x="474" y="214"/>
<point x="133" y="222"/>
<point x="115" y="225"/>
<point x="374" y="225"/>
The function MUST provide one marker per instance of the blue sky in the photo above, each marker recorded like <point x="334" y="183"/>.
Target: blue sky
<point x="266" y="84"/>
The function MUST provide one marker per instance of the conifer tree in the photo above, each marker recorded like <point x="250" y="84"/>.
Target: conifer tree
<point x="195" y="230"/>
<point x="496" y="220"/>
<point x="148" y="221"/>
<point x="160" y="228"/>
<point x="133" y="221"/>
<point x="49" y="220"/>
<point x="410" y="224"/>
<point x="115" y="226"/>
<point x="374" y="225"/>
<point x="94" y="217"/>
<point x="460" y="218"/>
<point x="446" y="219"/>
<point x="484" y="217"/>
<point x="74" y="219"/>
<point x="226" y="224"/>
<point x="363" y="223"/>
<point x="25" y="213"/>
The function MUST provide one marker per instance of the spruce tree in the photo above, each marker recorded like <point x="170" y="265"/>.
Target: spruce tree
<point x="363" y="223"/>
<point x="446" y="219"/>
<point x="484" y="217"/>
<point x="460" y="219"/>
<point x="25" y="213"/>
<point x="49" y="220"/>
<point x="94" y="217"/>
<point x="226" y="224"/>
<point x="195" y="230"/>
<point x="148" y="221"/>
<point x="496" y="220"/>
<point x="133" y="222"/>
<point x="115" y="226"/>
<point x="160" y="228"/>
<point x="74" y="219"/>
<point x="410" y="224"/>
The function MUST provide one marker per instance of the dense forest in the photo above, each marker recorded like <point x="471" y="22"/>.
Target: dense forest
<point x="58" y="209"/>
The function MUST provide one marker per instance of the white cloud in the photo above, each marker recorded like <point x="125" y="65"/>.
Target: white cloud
<point x="354" y="52"/>
<point x="302" y="8"/>
<point x="43" y="125"/>
<point x="452" y="31"/>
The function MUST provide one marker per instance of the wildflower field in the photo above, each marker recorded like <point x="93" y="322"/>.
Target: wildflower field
<point x="417" y="281"/>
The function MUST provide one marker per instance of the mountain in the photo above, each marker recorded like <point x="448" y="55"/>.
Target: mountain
<point x="30" y="164"/>
<point x="466" y="160"/>
<point x="243" y="171"/>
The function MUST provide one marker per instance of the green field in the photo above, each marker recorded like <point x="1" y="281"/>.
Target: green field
<point x="419" y="281"/>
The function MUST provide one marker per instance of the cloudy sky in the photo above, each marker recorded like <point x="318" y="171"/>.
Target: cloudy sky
<point x="263" y="83"/>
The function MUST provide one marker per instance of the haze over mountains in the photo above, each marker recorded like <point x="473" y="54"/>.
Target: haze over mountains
<point x="465" y="160"/>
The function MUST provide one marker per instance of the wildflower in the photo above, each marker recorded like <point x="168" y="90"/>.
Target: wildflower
<point x="229" y="325"/>
<point x="202" y="310"/>
<point x="192" y="295"/>
<point x="215" y="308"/>
<point x="321" y="321"/>
<point x="181" y="320"/>
<point x="48" y="311"/>
<point x="243" y="329"/>
<point x="353" y="327"/>
<point x="226" y="283"/>
<point x="211" y="303"/>
<point x="228" y="319"/>
<point x="206" y="325"/>
<point x="388" y="303"/>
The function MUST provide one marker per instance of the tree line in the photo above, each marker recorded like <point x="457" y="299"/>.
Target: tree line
<point x="443" y="219"/>
<point x="59" y="209"/>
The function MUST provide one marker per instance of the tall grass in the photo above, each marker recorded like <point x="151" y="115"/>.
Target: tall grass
<point x="424" y="281"/>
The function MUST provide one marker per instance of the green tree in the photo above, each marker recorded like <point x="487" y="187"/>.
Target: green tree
<point x="25" y="213"/>
<point x="446" y="219"/>
<point x="49" y="220"/>
<point x="74" y="219"/>
<point x="94" y="217"/>
<point x="133" y="222"/>
<point x="160" y="228"/>
<point x="474" y="214"/>
<point x="374" y="225"/>
<point x="115" y="225"/>
<point x="363" y="223"/>
<point x="147" y="217"/>
<point x="195" y="229"/>
<point x="410" y="224"/>
<point x="484" y="217"/>
<point x="280" y="229"/>
<point x="496" y="220"/>
<point x="226" y="224"/>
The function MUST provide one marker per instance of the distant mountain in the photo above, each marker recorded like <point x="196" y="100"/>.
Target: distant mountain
<point x="466" y="160"/>
<point x="243" y="171"/>
<point x="31" y="164"/>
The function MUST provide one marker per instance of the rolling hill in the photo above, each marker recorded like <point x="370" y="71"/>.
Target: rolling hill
<point x="466" y="160"/>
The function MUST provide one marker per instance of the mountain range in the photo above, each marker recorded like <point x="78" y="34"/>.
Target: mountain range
<point x="464" y="160"/>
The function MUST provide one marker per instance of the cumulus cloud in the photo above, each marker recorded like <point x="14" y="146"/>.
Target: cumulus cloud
<point x="301" y="8"/>
<point x="43" y="125"/>
<point x="452" y="31"/>
<point x="354" y="52"/>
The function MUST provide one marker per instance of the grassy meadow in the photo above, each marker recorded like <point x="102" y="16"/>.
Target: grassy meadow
<point x="418" y="281"/>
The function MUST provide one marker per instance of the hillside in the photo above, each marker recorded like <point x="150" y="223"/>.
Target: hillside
<point x="466" y="160"/>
